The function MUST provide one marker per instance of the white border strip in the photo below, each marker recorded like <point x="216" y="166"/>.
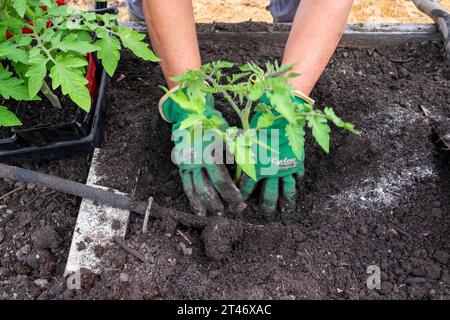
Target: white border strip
<point x="96" y="227"/>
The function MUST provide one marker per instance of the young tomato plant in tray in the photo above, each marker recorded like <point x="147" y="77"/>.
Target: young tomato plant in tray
<point x="46" y="45"/>
<point x="244" y="91"/>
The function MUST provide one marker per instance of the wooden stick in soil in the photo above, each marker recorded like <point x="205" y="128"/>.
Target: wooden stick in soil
<point x="10" y="193"/>
<point x="440" y="16"/>
<point x="121" y="243"/>
<point x="101" y="196"/>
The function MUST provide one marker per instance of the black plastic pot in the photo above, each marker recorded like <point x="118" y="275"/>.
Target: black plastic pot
<point x="81" y="135"/>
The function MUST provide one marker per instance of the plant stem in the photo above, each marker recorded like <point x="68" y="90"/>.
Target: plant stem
<point x="246" y="116"/>
<point x="227" y="96"/>
<point x="45" y="89"/>
<point x="48" y="93"/>
<point x="30" y="13"/>
<point x="238" y="174"/>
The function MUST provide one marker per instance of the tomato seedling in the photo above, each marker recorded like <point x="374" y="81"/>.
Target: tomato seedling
<point x="244" y="91"/>
<point x="46" y="45"/>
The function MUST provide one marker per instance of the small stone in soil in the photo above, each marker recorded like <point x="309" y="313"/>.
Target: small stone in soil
<point x="185" y="249"/>
<point x="124" y="277"/>
<point x="46" y="238"/>
<point x="116" y="224"/>
<point x="99" y="251"/>
<point x="41" y="282"/>
<point x="81" y="246"/>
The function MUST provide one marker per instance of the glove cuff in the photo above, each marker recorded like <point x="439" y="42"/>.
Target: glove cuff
<point x="304" y="97"/>
<point x="163" y="100"/>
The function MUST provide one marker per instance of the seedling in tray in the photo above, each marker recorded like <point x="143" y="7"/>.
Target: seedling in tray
<point x="243" y="92"/>
<point x="46" y="45"/>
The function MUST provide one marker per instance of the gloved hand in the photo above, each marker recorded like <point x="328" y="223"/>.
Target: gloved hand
<point x="279" y="174"/>
<point x="205" y="183"/>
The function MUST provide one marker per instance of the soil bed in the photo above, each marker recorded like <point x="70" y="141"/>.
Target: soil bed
<point x="36" y="227"/>
<point x="381" y="199"/>
<point x="42" y="114"/>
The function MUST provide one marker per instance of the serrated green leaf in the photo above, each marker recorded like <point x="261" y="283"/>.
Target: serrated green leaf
<point x="184" y="102"/>
<point x="236" y="77"/>
<point x="36" y="74"/>
<point x="23" y="40"/>
<point x="109" y="53"/>
<point x="191" y="120"/>
<point x="11" y="87"/>
<point x="245" y="158"/>
<point x="19" y="6"/>
<point x="329" y="112"/>
<point x="261" y="107"/>
<point x="133" y="41"/>
<point x="63" y="11"/>
<point x="217" y="122"/>
<point x="296" y="139"/>
<point x="72" y="43"/>
<point x="282" y="102"/>
<point x="265" y="120"/>
<point x="66" y="73"/>
<point x="320" y="130"/>
<point x="8" y="118"/>
<point x="13" y="53"/>
<point x="47" y="3"/>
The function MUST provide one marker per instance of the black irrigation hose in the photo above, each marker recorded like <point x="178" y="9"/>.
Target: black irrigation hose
<point x="100" y="195"/>
<point x="101" y="5"/>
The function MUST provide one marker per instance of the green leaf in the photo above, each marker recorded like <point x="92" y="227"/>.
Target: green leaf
<point x="261" y="107"/>
<point x="19" y="6"/>
<point x="184" y="102"/>
<point x="133" y="41"/>
<point x="217" y="122"/>
<point x="245" y="158"/>
<point x="236" y="77"/>
<point x="36" y="74"/>
<point x="13" y="53"/>
<point x="11" y="87"/>
<point x="255" y="92"/>
<point x="67" y="73"/>
<point x="329" y="112"/>
<point x="109" y="53"/>
<point x="71" y="43"/>
<point x="8" y="119"/>
<point x="283" y="104"/>
<point x="265" y="120"/>
<point x="296" y="139"/>
<point x="320" y="130"/>
<point x="191" y="120"/>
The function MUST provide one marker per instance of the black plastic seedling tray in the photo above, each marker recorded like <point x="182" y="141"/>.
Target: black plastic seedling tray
<point x="81" y="135"/>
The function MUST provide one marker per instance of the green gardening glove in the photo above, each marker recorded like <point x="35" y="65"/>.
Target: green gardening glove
<point x="278" y="172"/>
<point x="206" y="181"/>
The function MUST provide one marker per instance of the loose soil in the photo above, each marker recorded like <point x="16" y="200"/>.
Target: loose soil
<point x="40" y="114"/>
<point x="381" y="199"/>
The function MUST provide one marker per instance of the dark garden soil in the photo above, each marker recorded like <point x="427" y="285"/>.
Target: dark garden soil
<point x="381" y="199"/>
<point x="36" y="227"/>
<point x="37" y="113"/>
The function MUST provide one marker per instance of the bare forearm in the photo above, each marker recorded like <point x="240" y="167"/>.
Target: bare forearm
<point x="172" y="31"/>
<point x="315" y="34"/>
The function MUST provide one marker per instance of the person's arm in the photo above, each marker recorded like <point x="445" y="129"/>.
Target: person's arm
<point x="172" y="31"/>
<point x="315" y="34"/>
